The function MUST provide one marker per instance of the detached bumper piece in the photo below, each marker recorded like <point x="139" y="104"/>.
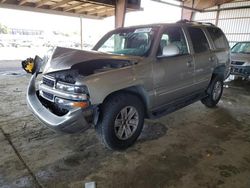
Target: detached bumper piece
<point x="72" y="122"/>
<point x="240" y="70"/>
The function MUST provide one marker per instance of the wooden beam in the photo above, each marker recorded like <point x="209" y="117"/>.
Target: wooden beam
<point x="100" y="10"/>
<point x="106" y="13"/>
<point x="41" y="3"/>
<point x="97" y="10"/>
<point x="22" y="2"/>
<point x="60" y="3"/>
<point x="85" y="9"/>
<point x="120" y="12"/>
<point x="46" y="10"/>
<point x="204" y="4"/>
<point x="70" y="7"/>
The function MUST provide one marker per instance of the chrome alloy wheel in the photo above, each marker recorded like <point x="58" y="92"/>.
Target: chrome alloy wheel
<point x="217" y="90"/>
<point x="126" y="122"/>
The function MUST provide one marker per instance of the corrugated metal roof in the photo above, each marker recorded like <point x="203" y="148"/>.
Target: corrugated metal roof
<point x="235" y="13"/>
<point x="235" y="4"/>
<point x="234" y="23"/>
<point x="205" y="16"/>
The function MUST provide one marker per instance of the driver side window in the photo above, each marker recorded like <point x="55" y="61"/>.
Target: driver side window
<point x="172" y="39"/>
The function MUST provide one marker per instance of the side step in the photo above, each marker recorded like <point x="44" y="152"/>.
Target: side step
<point x="169" y="108"/>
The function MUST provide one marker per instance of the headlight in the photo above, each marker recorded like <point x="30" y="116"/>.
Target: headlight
<point x="71" y="88"/>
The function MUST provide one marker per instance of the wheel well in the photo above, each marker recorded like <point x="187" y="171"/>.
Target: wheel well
<point x="219" y="71"/>
<point x="134" y="90"/>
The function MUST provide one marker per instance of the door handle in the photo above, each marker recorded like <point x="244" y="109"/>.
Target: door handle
<point x="190" y="63"/>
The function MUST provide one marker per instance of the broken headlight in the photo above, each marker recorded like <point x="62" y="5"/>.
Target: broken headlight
<point x="71" y="88"/>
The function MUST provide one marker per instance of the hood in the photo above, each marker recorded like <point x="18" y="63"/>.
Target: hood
<point x="240" y="57"/>
<point x="65" y="58"/>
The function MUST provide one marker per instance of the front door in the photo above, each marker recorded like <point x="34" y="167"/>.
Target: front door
<point x="174" y="69"/>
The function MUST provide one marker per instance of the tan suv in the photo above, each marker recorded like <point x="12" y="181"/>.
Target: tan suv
<point x="132" y="73"/>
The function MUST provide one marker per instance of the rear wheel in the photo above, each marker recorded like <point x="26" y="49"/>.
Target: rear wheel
<point x="214" y="92"/>
<point x="121" y="121"/>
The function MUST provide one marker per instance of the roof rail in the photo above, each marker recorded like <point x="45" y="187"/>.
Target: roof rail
<point x="195" y="22"/>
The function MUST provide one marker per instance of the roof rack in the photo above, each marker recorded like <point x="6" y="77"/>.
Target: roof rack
<point x="195" y="22"/>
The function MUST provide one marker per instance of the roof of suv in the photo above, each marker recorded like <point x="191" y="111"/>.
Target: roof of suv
<point x="181" y="22"/>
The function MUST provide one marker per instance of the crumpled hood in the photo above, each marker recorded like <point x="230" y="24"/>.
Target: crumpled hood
<point x="240" y="57"/>
<point x="65" y="58"/>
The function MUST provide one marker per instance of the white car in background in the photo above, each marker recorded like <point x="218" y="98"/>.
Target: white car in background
<point x="240" y="59"/>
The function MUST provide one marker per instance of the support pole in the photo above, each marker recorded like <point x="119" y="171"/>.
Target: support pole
<point x="120" y="12"/>
<point x="187" y="14"/>
<point x="217" y="16"/>
<point x="81" y="37"/>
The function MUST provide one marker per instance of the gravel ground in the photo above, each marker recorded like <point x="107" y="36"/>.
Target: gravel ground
<point x="193" y="147"/>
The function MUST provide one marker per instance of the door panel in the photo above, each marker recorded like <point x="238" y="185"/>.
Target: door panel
<point x="204" y="66"/>
<point x="173" y="74"/>
<point x="205" y="59"/>
<point x="173" y="78"/>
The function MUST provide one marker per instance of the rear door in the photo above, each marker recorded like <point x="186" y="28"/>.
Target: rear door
<point x="221" y="48"/>
<point x="204" y="57"/>
<point x="173" y="75"/>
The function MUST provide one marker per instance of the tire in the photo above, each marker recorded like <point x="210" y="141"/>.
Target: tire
<point x="113" y="131"/>
<point x="214" y="91"/>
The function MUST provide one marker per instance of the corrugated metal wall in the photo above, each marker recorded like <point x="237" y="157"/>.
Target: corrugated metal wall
<point x="234" y="23"/>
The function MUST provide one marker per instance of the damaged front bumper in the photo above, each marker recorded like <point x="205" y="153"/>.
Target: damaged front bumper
<point x="243" y="71"/>
<point x="73" y="121"/>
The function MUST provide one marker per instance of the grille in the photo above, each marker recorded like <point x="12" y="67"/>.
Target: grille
<point x="48" y="96"/>
<point x="48" y="81"/>
<point x="237" y="62"/>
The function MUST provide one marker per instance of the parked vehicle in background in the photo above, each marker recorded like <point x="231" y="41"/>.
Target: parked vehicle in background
<point x="240" y="59"/>
<point x="132" y="73"/>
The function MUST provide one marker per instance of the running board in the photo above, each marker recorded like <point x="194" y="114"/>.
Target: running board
<point x="169" y="108"/>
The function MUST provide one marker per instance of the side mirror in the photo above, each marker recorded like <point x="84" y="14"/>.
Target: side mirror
<point x="170" y="50"/>
<point x="31" y="65"/>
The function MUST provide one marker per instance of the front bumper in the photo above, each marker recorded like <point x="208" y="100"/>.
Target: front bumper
<point x="71" y="122"/>
<point x="240" y="70"/>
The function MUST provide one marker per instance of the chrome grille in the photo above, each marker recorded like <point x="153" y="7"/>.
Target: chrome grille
<point x="237" y="62"/>
<point x="49" y="81"/>
<point x="48" y="96"/>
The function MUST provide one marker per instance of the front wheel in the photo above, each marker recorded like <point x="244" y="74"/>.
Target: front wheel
<point x="214" y="92"/>
<point x="121" y="121"/>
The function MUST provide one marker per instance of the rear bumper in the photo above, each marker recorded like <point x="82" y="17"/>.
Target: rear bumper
<point x="71" y="122"/>
<point x="240" y="70"/>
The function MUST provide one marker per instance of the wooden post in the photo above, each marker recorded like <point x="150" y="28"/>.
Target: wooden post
<point x="187" y="14"/>
<point x="217" y="16"/>
<point x="120" y="12"/>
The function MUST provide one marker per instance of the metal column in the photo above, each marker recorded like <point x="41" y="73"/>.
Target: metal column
<point x="81" y="37"/>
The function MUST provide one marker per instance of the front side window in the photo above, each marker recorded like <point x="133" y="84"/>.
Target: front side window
<point x="218" y="38"/>
<point x="136" y="41"/>
<point x="173" y="37"/>
<point x="241" y="47"/>
<point x="199" y="40"/>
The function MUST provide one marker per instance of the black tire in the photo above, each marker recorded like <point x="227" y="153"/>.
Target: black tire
<point x="210" y="101"/>
<point x="109" y="113"/>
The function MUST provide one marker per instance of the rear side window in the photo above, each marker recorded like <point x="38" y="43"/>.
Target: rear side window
<point x="199" y="40"/>
<point x="218" y="38"/>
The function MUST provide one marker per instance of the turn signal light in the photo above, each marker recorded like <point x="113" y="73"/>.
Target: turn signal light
<point x="83" y="104"/>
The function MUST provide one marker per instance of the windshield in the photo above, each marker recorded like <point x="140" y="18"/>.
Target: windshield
<point x="135" y="42"/>
<point x="242" y="47"/>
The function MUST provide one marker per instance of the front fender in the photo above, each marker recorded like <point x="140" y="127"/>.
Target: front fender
<point x="102" y="84"/>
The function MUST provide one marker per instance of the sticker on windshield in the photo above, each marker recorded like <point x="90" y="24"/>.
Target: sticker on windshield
<point x="143" y="30"/>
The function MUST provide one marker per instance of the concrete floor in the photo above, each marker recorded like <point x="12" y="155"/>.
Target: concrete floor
<point x="193" y="147"/>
